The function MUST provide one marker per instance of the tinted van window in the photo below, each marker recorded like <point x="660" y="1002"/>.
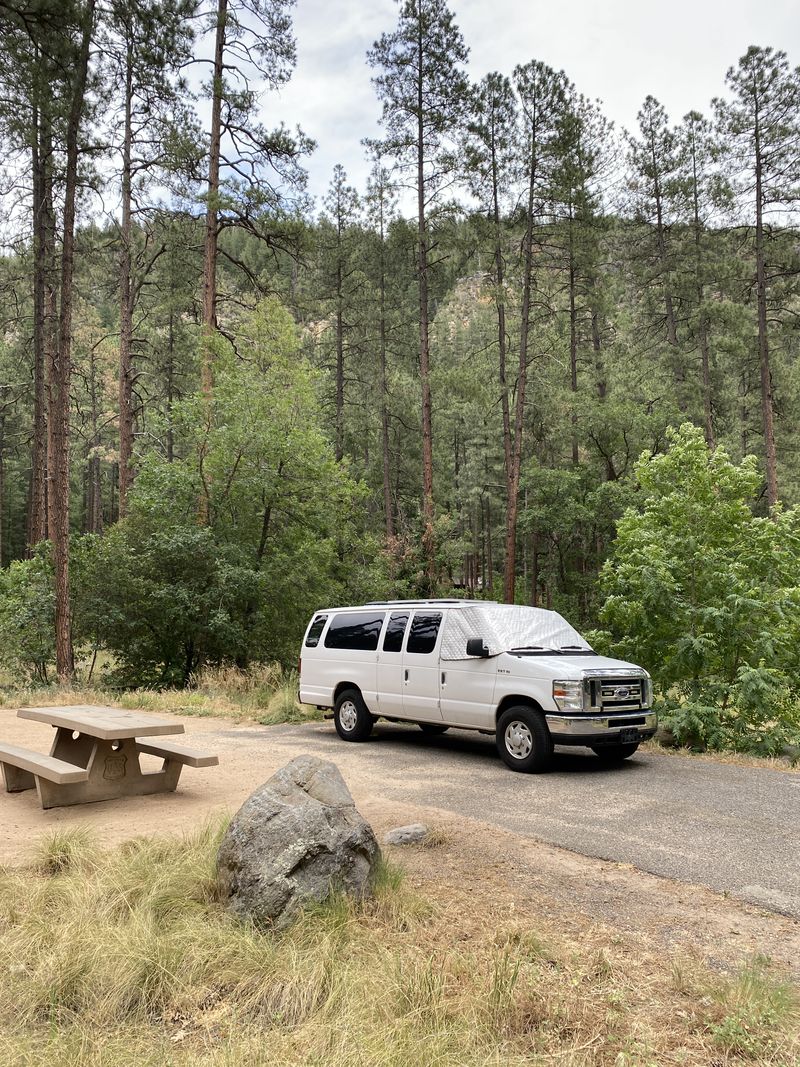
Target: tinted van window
<point x="393" y="641"/>
<point x="355" y="630"/>
<point x="316" y="628"/>
<point x="424" y="629"/>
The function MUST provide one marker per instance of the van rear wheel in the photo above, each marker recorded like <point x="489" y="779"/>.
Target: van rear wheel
<point x="523" y="740"/>
<point x="351" y="716"/>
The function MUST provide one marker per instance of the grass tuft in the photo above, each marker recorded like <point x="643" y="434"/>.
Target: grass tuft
<point x="127" y="957"/>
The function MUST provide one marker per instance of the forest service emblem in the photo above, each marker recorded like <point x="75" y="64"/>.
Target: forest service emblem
<point x="115" y="768"/>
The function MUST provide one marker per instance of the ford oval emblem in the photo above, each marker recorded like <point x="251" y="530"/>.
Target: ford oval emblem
<point x="622" y="692"/>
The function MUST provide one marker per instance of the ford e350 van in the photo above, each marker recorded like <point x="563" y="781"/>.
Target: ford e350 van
<point x="520" y="673"/>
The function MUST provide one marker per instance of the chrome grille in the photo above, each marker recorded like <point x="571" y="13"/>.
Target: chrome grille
<point x="616" y="694"/>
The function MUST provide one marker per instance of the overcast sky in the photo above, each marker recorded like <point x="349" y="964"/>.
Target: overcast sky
<point x="614" y="50"/>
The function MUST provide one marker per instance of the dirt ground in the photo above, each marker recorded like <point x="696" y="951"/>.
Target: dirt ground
<point x="475" y="862"/>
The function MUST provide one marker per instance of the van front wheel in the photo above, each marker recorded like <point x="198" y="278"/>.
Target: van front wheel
<point x="351" y="717"/>
<point x="523" y="740"/>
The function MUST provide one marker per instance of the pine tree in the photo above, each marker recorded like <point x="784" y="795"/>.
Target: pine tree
<point x="423" y="91"/>
<point x="761" y="126"/>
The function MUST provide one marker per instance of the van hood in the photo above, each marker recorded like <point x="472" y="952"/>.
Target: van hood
<point x="565" y="667"/>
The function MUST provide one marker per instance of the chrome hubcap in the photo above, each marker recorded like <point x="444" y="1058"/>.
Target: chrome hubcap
<point x="519" y="739"/>
<point x="348" y="715"/>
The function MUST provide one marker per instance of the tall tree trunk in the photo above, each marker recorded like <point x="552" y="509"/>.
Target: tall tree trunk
<point x="211" y="239"/>
<point x="42" y="329"/>
<point x="428" y="545"/>
<point x="339" y="366"/>
<point x="501" y="314"/>
<point x="672" y="333"/>
<point x="763" y="340"/>
<point x="170" y="369"/>
<point x="94" y="507"/>
<point x="212" y="206"/>
<point x="573" y="340"/>
<point x="387" y="485"/>
<point x="126" y="306"/>
<point x="512" y="502"/>
<point x="705" y="353"/>
<point x="489" y="552"/>
<point x="60" y="371"/>
<point x="2" y="490"/>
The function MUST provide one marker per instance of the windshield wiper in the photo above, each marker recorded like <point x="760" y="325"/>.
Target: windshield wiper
<point x="580" y="649"/>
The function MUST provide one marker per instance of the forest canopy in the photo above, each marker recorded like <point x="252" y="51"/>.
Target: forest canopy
<point x="536" y="358"/>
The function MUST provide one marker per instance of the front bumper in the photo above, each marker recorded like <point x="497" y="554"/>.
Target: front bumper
<point x="602" y="729"/>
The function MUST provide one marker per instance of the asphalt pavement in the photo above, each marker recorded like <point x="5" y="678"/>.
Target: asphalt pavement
<point x="734" y="829"/>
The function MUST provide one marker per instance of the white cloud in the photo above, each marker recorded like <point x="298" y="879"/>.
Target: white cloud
<point x="616" y="50"/>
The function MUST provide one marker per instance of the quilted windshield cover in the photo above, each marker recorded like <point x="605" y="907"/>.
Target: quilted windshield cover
<point x="506" y="626"/>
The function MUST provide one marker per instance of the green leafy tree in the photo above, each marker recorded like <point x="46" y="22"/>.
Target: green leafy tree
<point x="704" y="594"/>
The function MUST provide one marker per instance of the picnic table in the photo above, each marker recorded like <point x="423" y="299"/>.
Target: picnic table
<point x="95" y="756"/>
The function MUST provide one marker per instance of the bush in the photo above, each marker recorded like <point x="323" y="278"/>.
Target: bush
<point x="705" y="595"/>
<point x="27" y="617"/>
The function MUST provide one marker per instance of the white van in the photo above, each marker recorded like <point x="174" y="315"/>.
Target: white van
<point x="520" y="673"/>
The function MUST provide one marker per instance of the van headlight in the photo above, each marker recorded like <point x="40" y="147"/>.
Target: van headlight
<point x="568" y="695"/>
<point x="647" y="691"/>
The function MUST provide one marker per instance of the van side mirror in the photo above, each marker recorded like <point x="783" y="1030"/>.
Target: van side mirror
<point x="476" y="646"/>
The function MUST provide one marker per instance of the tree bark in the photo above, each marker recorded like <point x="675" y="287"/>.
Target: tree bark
<point x="573" y="340"/>
<point x="43" y="251"/>
<point x="763" y="340"/>
<point x="387" y="485"/>
<point x="126" y="307"/>
<point x="512" y="504"/>
<point x="501" y="312"/>
<point x="94" y="496"/>
<point x="428" y="545"/>
<point x="672" y="333"/>
<point x="705" y="353"/>
<point x="339" y="453"/>
<point x="212" y="207"/>
<point x="60" y="371"/>
<point x="211" y="241"/>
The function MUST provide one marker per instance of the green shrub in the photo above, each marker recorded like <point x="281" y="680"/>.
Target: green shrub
<point x="705" y="595"/>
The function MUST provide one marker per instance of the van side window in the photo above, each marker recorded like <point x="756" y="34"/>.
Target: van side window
<point x="393" y="641"/>
<point x="355" y="630"/>
<point x="316" y="628"/>
<point x="424" y="629"/>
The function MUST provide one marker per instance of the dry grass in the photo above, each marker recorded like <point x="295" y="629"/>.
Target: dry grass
<point x="787" y="764"/>
<point x="126" y="957"/>
<point x="264" y="693"/>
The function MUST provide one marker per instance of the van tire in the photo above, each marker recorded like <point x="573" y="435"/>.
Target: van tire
<point x="523" y="740"/>
<point x="351" y="716"/>
<point x="615" y="753"/>
<point x="432" y="728"/>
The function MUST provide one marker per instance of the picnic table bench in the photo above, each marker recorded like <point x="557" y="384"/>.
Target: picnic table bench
<point x="95" y="756"/>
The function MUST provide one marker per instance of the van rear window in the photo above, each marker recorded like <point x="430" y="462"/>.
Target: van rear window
<point x="355" y="630"/>
<point x="316" y="628"/>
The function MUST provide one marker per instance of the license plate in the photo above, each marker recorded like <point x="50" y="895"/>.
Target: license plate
<point x="628" y="735"/>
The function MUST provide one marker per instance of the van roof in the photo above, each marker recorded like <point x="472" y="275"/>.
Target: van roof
<point x="441" y="603"/>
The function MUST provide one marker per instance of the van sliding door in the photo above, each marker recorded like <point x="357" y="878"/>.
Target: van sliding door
<point x="421" y="667"/>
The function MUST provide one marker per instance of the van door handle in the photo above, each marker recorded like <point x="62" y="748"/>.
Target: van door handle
<point x="444" y="678"/>
<point x="406" y="676"/>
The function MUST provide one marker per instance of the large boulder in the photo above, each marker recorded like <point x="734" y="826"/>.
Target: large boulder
<point x="292" y="841"/>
